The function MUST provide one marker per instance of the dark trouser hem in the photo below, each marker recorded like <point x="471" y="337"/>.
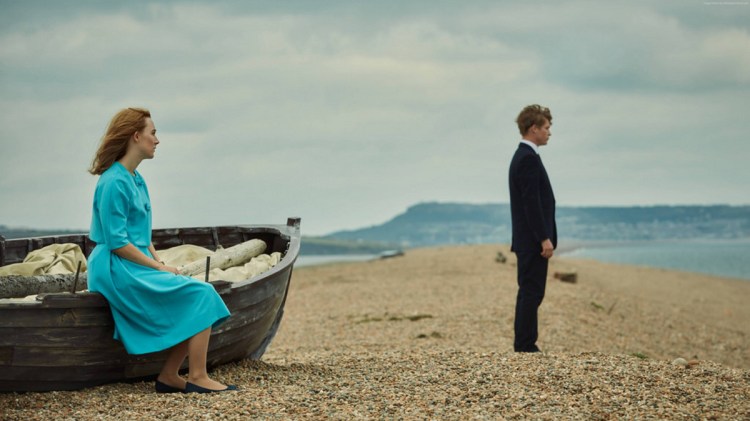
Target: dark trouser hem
<point x="532" y="281"/>
<point x="534" y="349"/>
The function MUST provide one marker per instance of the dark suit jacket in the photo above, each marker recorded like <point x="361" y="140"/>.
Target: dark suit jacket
<point x="532" y="203"/>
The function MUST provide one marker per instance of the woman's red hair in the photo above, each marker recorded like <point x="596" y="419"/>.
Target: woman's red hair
<point x="115" y="141"/>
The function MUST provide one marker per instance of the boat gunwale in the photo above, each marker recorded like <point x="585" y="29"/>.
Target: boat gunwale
<point x="223" y="287"/>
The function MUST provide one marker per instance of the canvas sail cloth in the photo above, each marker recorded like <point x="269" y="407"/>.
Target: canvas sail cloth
<point x="59" y="259"/>
<point x="186" y="254"/>
<point x="54" y="259"/>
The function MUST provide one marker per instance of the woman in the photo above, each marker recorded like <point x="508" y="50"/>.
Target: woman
<point x="154" y="307"/>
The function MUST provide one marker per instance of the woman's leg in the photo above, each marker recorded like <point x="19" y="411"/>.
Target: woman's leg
<point x="170" y="372"/>
<point x="197" y="351"/>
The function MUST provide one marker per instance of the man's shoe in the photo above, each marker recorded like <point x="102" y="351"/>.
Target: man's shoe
<point x="534" y="349"/>
<point x="194" y="388"/>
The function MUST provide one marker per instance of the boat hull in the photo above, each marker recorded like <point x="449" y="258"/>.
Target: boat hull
<point x="64" y="341"/>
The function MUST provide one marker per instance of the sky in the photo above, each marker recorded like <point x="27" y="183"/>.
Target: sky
<point x="345" y="113"/>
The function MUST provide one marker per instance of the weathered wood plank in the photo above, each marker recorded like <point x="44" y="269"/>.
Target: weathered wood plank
<point x="242" y="316"/>
<point x="96" y="347"/>
<point x="2" y="250"/>
<point x="145" y="369"/>
<point x="15" y="250"/>
<point x="42" y="317"/>
<point x="221" y="287"/>
<point x="77" y="300"/>
<point x="65" y="355"/>
<point x="247" y="295"/>
<point x="253" y="332"/>
<point x="6" y="356"/>
<point x="229" y="236"/>
<point x="93" y="337"/>
<point x="102" y="373"/>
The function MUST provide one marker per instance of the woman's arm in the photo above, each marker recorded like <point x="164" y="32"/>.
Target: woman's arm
<point x="130" y="252"/>
<point x="152" y="250"/>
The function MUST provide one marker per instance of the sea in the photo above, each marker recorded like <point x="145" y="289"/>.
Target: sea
<point x="725" y="258"/>
<point x="324" y="259"/>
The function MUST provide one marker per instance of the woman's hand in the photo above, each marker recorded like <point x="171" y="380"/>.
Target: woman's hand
<point x="171" y="269"/>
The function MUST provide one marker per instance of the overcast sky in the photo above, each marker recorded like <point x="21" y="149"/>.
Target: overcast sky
<point x="347" y="112"/>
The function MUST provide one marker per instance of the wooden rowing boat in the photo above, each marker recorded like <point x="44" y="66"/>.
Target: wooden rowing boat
<point x="63" y="340"/>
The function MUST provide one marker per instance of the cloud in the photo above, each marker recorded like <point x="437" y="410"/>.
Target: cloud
<point x="347" y="113"/>
<point x="594" y="45"/>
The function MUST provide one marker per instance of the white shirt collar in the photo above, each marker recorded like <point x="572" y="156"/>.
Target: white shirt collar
<point x="532" y="144"/>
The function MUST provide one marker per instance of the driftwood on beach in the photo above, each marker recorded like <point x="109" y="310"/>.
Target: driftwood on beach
<point x="17" y="286"/>
<point x="226" y="258"/>
<point x="570" y="277"/>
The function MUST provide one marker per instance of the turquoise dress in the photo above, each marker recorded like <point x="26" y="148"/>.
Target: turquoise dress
<point x="153" y="310"/>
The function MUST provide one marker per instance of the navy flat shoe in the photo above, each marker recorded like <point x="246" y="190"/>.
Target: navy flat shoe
<point x="165" y="388"/>
<point x="194" y="388"/>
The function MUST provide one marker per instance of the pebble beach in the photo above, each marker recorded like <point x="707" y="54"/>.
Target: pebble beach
<point x="428" y="335"/>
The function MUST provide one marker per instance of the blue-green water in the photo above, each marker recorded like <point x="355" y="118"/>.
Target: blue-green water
<point x="728" y="258"/>
<point x="316" y="260"/>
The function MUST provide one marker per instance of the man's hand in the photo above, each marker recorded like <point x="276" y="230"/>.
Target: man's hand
<point x="547" y="249"/>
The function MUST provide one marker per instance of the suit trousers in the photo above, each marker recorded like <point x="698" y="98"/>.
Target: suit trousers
<point x="532" y="281"/>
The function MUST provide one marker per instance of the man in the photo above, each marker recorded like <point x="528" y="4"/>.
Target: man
<point x="532" y="208"/>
